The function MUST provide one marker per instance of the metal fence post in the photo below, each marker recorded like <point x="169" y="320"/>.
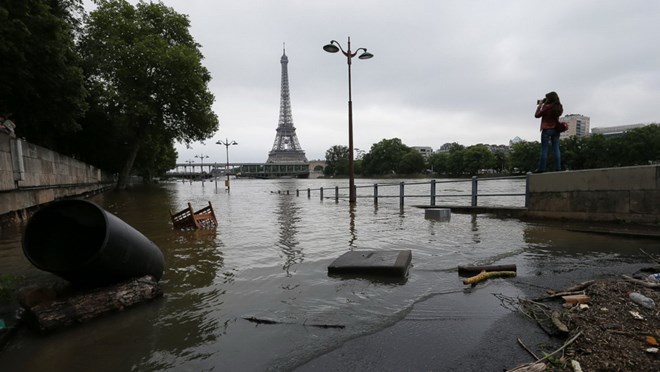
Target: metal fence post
<point x="375" y="193"/>
<point x="432" y="192"/>
<point x="336" y="194"/>
<point x="297" y="192"/>
<point x="401" y="194"/>
<point x="474" y="191"/>
<point x="309" y="193"/>
<point x="321" y="189"/>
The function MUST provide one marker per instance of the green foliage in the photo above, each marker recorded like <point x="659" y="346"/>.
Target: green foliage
<point x="439" y="161"/>
<point x="146" y="69"/>
<point x="336" y="159"/>
<point x="40" y="71"/>
<point x="501" y="160"/>
<point x="524" y="156"/>
<point x="384" y="157"/>
<point x="477" y="157"/>
<point x="412" y="163"/>
<point x="639" y="146"/>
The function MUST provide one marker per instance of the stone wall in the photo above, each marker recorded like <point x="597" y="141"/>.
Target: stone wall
<point x="31" y="175"/>
<point x="627" y="194"/>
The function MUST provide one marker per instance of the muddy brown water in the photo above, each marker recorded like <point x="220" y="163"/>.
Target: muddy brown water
<point x="268" y="260"/>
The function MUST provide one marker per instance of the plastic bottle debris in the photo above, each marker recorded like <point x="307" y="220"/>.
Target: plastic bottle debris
<point x="640" y="299"/>
<point x="653" y="278"/>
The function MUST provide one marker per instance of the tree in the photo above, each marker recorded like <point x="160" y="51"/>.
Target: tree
<point x="336" y="159"/>
<point x="440" y="162"/>
<point x="411" y="163"/>
<point x="147" y="69"/>
<point x="455" y="161"/>
<point x="384" y="157"/>
<point x="524" y="156"/>
<point x="40" y="71"/>
<point x="477" y="157"/>
<point x="641" y="145"/>
<point x="501" y="160"/>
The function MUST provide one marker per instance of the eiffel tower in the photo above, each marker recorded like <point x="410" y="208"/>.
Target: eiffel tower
<point x="286" y="148"/>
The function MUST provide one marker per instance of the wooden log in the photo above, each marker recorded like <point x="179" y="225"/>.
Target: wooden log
<point x="470" y="270"/>
<point x="580" y="287"/>
<point x="641" y="282"/>
<point x="558" y="294"/>
<point x="484" y="275"/>
<point x="83" y="307"/>
<point x="576" y="299"/>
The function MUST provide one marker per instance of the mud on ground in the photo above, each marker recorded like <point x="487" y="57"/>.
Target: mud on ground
<point x="615" y="333"/>
<point x="613" y="339"/>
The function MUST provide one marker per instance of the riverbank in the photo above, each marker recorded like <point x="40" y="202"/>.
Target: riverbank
<point x="485" y="330"/>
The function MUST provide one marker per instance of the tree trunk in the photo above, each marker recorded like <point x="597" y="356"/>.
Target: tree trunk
<point x="125" y="173"/>
<point x="82" y="307"/>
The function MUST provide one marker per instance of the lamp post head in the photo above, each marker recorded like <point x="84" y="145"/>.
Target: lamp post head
<point x="331" y="47"/>
<point x="365" y="55"/>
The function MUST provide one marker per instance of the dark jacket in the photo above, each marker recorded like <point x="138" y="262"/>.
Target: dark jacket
<point x="549" y="114"/>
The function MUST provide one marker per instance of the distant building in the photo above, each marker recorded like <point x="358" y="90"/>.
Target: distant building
<point x="578" y="125"/>
<point x="515" y="140"/>
<point x="616" y="130"/>
<point x="426" y="151"/>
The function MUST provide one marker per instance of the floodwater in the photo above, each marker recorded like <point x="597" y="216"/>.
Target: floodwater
<point x="268" y="259"/>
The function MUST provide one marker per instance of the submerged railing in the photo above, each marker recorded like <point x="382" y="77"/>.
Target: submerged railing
<point x="432" y="194"/>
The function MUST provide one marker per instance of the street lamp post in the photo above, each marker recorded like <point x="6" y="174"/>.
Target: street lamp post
<point x="191" y="169"/>
<point x="227" y="143"/>
<point x="334" y="47"/>
<point x="201" y="158"/>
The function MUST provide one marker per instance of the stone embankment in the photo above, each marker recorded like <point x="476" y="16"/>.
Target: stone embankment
<point x="31" y="175"/>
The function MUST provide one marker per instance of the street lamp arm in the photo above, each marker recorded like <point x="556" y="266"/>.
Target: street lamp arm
<point x="364" y="55"/>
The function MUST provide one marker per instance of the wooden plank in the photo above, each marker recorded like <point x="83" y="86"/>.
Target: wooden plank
<point x="471" y="270"/>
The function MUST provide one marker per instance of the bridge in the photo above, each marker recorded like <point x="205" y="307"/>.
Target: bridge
<point x="253" y="170"/>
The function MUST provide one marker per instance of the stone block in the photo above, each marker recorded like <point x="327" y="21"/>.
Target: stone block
<point x="372" y="263"/>
<point x="442" y="214"/>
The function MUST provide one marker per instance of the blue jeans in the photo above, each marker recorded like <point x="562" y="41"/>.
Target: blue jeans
<point x="549" y="136"/>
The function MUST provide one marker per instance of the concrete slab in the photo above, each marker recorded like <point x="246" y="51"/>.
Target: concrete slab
<point x="372" y="263"/>
<point x="442" y="214"/>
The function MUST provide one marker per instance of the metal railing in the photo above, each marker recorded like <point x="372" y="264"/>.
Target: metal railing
<point x="432" y="195"/>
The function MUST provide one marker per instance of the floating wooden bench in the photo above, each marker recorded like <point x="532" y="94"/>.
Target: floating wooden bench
<point x="189" y="219"/>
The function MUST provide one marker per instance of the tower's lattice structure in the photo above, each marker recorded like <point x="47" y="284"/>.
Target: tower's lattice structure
<point x="286" y="148"/>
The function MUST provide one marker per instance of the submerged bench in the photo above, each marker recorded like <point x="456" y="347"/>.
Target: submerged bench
<point x="372" y="263"/>
<point x="189" y="219"/>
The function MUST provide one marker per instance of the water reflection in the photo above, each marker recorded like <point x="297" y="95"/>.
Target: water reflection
<point x="187" y="320"/>
<point x="475" y="229"/>
<point x="351" y="227"/>
<point x="288" y="219"/>
<point x="269" y="258"/>
<point x="184" y="321"/>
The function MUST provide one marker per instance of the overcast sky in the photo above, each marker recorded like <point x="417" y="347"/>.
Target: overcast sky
<point x="466" y="71"/>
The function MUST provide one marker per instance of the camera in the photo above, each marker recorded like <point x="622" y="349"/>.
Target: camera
<point x="540" y="101"/>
